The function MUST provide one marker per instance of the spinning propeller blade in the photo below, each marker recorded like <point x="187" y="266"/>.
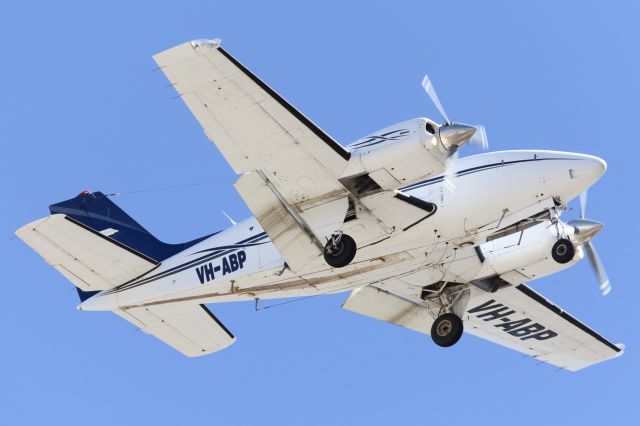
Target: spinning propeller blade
<point x="431" y="91"/>
<point x="479" y="138"/>
<point x="592" y="254"/>
<point x="596" y="264"/>
<point x="450" y="173"/>
<point x="453" y="135"/>
<point x="583" y="204"/>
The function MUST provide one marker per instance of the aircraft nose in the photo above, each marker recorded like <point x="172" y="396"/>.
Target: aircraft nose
<point x="596" y="165"/>
<point x="584" y="171"/>
<point x="599" y="166"/>
<point x="589" y="166"/>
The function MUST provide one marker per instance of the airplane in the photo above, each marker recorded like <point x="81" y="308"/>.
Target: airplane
<point x="419" y="237"/>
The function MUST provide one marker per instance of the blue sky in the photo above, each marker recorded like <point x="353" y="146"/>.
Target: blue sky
<point x="81" y="108"/>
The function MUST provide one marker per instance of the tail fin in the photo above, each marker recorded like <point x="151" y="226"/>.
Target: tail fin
<point x="98" y="212"/>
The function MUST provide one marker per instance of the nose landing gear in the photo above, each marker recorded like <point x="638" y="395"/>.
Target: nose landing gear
<point x="340" y="250"/>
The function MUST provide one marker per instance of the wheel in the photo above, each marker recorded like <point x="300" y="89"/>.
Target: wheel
<point x="563" y="251"/>
<point x="446" y="330"/>
<point x="340" y="254"/>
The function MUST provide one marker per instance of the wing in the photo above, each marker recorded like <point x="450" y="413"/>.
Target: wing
<point x="520" y="318"/>
<point x="89" y="259"/>
<point x="188" y="328"/>
<point x="255" y="129"/>
<point x="515" y="316"/>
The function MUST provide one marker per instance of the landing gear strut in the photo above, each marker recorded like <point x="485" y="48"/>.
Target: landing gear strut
<point x="446" y="330"/>
<point x="563" y="251"/>
<point x="340" y="250"/>
<point x="446" y="303"/>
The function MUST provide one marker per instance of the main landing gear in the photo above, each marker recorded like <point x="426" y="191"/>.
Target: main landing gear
<point x="446" y="330"/>
<point x="340" y="250"/>
<point x="563" y="251"/>
<point x="446" y="303"/>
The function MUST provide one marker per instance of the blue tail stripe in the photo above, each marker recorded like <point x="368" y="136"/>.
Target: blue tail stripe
<point x="98" y="212"/>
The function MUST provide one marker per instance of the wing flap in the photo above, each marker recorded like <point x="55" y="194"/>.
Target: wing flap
<point x="188" y="328"/>
<point x="90" y="260"/>
<point x="288" y="232"/>
<point x="382" y="305"/>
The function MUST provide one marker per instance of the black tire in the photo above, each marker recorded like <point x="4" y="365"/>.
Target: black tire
<point x="446" y="330"/>
<point x="563" y="251"/>
<point x="341" y="255"/>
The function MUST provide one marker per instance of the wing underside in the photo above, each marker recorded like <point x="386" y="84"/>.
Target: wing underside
<point x="292" y="170"/>
<point x="253" y="127"/>
<point x="516" y="317"/>
<point x="256" y="130"/>
<point x="520" y="318"/>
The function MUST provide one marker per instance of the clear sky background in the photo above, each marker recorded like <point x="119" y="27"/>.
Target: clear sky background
<point x="81" y="108"/>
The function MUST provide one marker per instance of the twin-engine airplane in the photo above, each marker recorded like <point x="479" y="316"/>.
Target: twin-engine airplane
<point x="423" y="239"/>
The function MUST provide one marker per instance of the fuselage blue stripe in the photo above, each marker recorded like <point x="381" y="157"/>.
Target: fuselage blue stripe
<point x="179" y="268"/>
<point x="471" y="170"/>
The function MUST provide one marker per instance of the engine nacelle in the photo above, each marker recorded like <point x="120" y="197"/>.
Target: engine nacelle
<point x="528" y="254"/>
<point x="398" y="155"/>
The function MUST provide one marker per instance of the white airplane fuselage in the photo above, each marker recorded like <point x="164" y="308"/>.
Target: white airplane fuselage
<point x="419" y="238"/>
<point x="492" y="191"/>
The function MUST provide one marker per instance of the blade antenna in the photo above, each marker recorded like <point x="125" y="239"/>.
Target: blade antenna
<point x="233" y="222"/>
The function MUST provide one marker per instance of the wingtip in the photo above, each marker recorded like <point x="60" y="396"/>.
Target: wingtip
<point x="204" y="42"/>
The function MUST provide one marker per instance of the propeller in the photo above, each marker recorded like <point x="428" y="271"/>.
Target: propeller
<point x="588" y="229"/>
<point x="479" y="138"/>
<point x="454" y="135"/>
<point x="431" y="91"/>
<point x="583" y="204"/>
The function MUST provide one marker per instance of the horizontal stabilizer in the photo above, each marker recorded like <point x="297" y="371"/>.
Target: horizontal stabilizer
<point x="89" y="259"/>
<point x="188" y="328"/>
